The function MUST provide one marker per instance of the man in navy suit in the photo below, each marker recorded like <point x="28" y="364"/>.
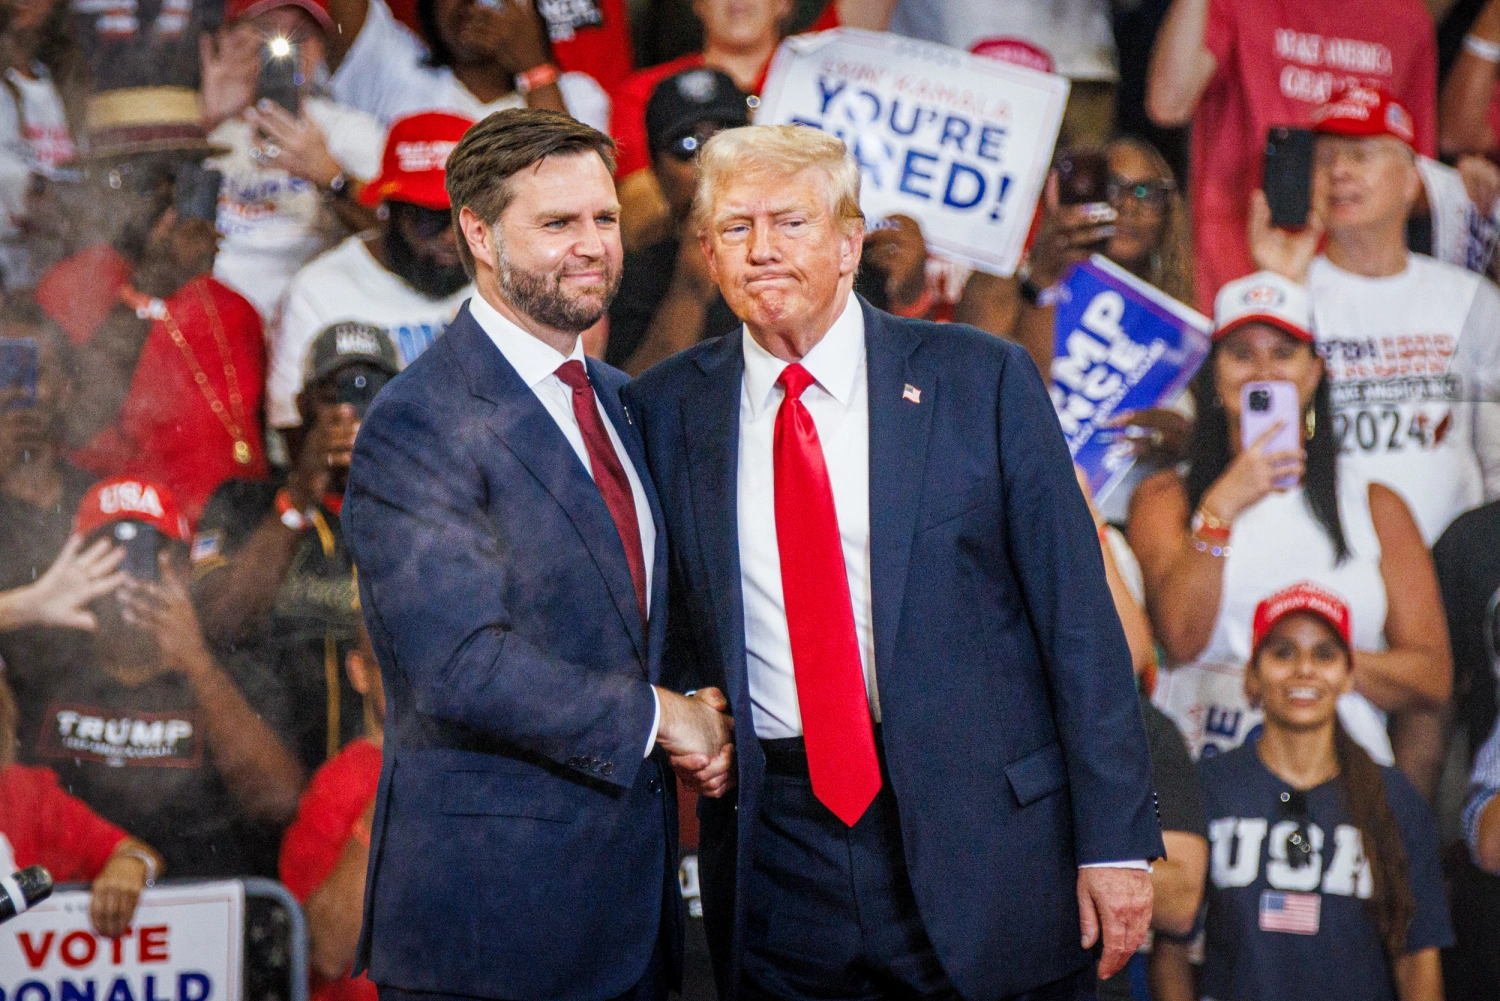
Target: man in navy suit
<point x="881" y="554"/>
<point x="511" y="551"/>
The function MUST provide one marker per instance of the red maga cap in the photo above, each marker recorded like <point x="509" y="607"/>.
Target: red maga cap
<point x="1303" y="597"/>
<point x="124" y="498"/>
<point x="234" y="10"/>
<point x="413" y="168"/>
<point x="1362" y="112"/>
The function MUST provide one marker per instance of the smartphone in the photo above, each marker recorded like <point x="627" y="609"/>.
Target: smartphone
<point x="357" y="386"/>
<point x="280" y="72"/>
<point x="1288" y="176"/>
<point x="141" y="544"/>
<point x="18" y="368"/>
<point x="1263" y="405"/>
<point x="197" y="191"/>
<point x="1083" y="178"/>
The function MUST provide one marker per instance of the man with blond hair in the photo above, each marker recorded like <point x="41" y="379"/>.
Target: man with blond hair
<point x="883" y="559"/>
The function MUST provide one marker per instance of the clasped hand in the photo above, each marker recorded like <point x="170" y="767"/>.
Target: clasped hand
<point x="698" y="736"/>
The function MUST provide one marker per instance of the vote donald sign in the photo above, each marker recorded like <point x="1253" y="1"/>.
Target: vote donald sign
<point x="184" y="945"/>
<point x="1122" y="345"/>
<point x="960" y="143"/>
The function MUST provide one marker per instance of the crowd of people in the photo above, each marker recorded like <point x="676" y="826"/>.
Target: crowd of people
<point x="225" y="226"/>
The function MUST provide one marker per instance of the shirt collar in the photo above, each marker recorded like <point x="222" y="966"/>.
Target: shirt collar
<point x="833" y="362"/>
<point x="532" y="358"/>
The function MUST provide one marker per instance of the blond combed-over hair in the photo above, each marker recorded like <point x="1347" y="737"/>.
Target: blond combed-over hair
<point x="772" y="151"/>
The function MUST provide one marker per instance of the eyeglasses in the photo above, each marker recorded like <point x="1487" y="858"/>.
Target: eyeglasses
<point x="1299" y="847"/>
<point x="426" y="223"/>
<point x="1143" y="194"/>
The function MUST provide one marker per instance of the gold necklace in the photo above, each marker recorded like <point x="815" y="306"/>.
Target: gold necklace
<point x="233" y="419"/>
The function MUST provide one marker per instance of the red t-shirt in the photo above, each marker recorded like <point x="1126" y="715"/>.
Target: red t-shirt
<point x="627" y="112"/>
<point x="600" y="45"/>
<point x="47" y="827"/>
<point x="1277" y="61"/>
<point x="167" y="432"/>
<point x="79" y="291"/>
<point x="330" y="806"/>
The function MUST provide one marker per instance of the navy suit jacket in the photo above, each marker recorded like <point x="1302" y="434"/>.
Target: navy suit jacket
<point x="1014" y="742"/>
<point x="521" y="846"/>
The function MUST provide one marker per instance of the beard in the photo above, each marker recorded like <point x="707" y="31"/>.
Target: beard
<point x="425" y="274"/>
<point x="540" y="295"/>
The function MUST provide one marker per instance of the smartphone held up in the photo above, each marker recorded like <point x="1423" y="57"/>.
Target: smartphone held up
<point x="1265" y="406"/>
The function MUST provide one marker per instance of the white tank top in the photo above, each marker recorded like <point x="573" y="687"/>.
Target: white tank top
<point x="1277" y="543"/>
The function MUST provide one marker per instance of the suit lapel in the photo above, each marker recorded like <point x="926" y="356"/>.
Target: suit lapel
<point x="620" y="417"/>
<point x="533" y="437"/>
<point x="899" y="431"/>
<point x="711" y="430"/>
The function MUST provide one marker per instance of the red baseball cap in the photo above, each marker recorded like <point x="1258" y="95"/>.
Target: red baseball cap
<point x="124" y="498"/>
<point x="1362" y="112"/>
<point x="234" y="10"/>
<point x="1304" y="597"/>
<point x="416" y="155"/>
<point x="1016" y="51"/>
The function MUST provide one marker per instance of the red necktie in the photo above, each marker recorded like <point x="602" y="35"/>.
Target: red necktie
<point x="819" y="614"/>
<point x="609" y="475"/>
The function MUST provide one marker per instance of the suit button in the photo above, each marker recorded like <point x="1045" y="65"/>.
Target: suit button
<point x="573" y="761"/>
<point x="654" y="786"/>
<point x="595" y="764"/>
<point x="606" y="769"/>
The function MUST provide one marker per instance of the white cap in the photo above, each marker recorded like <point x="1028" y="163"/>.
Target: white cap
<point x="1264" y="297"/>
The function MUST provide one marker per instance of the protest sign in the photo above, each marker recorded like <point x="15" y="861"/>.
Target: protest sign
<point x="1462" y="233"/>
<point x="183" y="945"/>
<point x="1122" y="345"/>
<point x="960" y="143"/>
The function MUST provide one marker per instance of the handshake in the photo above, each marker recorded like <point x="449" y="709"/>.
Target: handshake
<point x="698" y="736"/>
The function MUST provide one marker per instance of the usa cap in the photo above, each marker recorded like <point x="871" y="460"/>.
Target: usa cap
<point x="125" y="498"/>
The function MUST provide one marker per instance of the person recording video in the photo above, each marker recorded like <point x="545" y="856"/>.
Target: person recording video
<point x="273" y="575"/>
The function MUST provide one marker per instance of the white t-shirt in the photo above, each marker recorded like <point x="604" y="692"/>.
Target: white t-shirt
<point x="1407" y="357"/>
<point x="1276" y="543"/>
<point x="385" y="73"/>
<point x="347" y="283"/>
<point x="273" y="223"/>
<point x="1077" y="34"/>
<point x="34" y="141"/>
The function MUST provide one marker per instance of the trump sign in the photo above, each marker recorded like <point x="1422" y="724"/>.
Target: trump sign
<point x="184" y="945"/>
<point x="960" y="143"/>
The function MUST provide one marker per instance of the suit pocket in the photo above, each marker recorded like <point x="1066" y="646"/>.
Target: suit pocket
<point x="1039" y="774"/>
<point x="955" y="505"/>
<point x="500" y="794"/>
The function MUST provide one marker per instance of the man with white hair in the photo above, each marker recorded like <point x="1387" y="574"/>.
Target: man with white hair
<point x="882" y="558"/>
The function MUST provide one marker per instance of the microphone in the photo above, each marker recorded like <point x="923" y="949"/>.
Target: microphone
<point x="31" y="885"/>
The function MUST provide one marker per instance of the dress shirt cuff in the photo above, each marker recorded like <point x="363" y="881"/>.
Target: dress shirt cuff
<point x="1135" y="863"/>
<point x="655" y="722"/>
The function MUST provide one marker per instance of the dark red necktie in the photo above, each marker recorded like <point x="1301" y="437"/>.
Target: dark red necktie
<point x="820" y="615"/>
<point x="609" y="475"/>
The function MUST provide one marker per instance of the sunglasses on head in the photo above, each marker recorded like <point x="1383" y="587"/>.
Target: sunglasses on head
<point x="1299" y="847"/>
<point x="1146" y="194"/>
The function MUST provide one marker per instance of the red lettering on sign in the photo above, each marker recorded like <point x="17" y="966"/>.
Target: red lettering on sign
<point x="71" y="955"/>
<point x="35" y="957"/>
<point x="118" y="947"/>
<point x="153" y="944"/>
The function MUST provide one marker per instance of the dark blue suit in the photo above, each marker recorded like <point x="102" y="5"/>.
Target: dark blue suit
<point x="1013" y="742"/>
<point x="521" y="846"/>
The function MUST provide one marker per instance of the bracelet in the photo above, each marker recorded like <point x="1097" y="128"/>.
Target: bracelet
<point x="1483" y="48"/>
<point x="288" y="513"/>
<point x="1212" y="548"/>
<point x="339" y="186"/>
<point x="1204" y="518"/>
<point x="152" y="870"/>
<point x="536" y="78"/>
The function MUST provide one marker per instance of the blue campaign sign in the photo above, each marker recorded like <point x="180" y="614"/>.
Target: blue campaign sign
<point x="1122" y="345"/>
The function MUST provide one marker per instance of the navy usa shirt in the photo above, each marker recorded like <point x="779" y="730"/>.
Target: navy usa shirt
<point x="1277" y="932"/>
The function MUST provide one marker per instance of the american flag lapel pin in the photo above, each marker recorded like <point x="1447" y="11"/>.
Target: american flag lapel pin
<point x="911" y="394"/>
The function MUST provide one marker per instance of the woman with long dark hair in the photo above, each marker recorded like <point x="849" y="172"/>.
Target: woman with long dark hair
<point x="1213" y="542"/>
<point x="1325" y="881"/>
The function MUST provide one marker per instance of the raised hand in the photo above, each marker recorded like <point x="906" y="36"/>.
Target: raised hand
<point x="1251" y="476"/>
<point x="61" y="596"/>
<point x="1287" y="252"/>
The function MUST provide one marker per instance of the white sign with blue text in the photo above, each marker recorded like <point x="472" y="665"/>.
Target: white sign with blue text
<point x="185" y="944"/>
<point x="1122" y="345"/>
<point x="960" y="143"/>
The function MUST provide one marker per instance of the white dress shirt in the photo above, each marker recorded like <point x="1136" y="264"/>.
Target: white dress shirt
<point x="537" y="363"/>
<point x="839" y="404"/>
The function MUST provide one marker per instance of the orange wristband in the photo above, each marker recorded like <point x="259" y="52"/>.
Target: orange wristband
<point x="536" y="78"/>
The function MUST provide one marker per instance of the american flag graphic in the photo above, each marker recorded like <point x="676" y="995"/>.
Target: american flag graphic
<point x="1297" y="913"/>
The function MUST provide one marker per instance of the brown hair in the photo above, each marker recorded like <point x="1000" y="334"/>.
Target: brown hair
<point x="502" y="145"/>
<point x="1172" y="262"/>
<point x="1391" y="905"/>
